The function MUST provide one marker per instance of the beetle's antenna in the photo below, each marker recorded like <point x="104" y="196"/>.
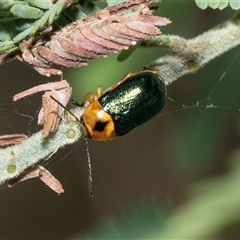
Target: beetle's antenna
<point x="90" y="179"/>
<point x="64" y="107"/>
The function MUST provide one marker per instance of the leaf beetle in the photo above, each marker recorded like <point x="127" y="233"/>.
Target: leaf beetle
<point x="134" y="100"/>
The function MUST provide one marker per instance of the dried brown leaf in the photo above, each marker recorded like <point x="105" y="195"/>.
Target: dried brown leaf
<point x="44" y="175"/>
<point x="51" y="111"/>
<point x="108" y="31"/>
<point x="40" y="88"/>
<point x="6" y="140"/>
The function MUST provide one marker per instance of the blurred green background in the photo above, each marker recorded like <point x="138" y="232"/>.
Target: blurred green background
<point x="177" y="176"/>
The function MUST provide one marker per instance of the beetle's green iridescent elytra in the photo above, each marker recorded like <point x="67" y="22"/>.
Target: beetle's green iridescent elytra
<point x="126" y="105"/>
<point x="135" y="100"/>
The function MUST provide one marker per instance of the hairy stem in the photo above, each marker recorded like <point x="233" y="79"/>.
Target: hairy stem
<point x="17" y="158"/>
<point x="189" y="55"/>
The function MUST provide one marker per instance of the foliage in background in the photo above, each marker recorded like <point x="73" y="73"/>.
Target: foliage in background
<point x="211" y="211"/>
<point x="220" y="4"/>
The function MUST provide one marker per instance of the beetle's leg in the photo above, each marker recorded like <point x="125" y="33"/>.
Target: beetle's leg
<point x="99" y="92"/>
<point x="75" y="103"/>
<point x="89" y="97"/>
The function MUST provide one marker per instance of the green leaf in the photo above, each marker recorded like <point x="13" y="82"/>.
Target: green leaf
<point x="124" y="54"/>
<point x="5" y="4"/>
<point x="4" y="36"/>
<point x="203" y="4"/>
<point x="43" y="4"/>
<point x="223" y="4"/>
<point x="214" y="4"/>
<point x="234" y="4"/>
<point x="26" y="12"/>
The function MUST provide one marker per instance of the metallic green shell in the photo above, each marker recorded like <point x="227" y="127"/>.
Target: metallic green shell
<point x="134" y="101"/>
